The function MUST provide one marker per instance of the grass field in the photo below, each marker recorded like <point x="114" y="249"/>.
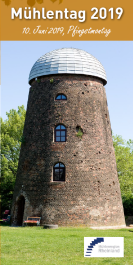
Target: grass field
<point x="62" y="246"/>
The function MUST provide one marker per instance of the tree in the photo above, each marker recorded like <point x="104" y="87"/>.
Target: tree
<point x="11" y="133"/>
<point x="124" y="161"/>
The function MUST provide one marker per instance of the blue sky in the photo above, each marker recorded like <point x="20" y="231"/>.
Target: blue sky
<point x="18" y="57"/>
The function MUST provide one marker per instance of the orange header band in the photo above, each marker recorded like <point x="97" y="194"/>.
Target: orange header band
<point x="65" y="20"/>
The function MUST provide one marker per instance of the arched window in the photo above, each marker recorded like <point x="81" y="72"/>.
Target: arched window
<point x="59" y="172"/>
<point x="60" y="133"/>
<point x="61" y="97"/>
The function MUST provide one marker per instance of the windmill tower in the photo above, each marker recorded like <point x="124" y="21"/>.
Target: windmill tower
<point x="67" y="170"/>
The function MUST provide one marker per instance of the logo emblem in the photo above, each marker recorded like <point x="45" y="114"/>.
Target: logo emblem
<point x="103" y="247"/>
<point x="92" y="245"/>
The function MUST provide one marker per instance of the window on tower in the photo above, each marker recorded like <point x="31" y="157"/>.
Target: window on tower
<point x="59" y="172"/>
<point x="60" y="133"/>
<point x="61" y="97"/>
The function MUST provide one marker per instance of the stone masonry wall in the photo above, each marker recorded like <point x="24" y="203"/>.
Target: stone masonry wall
<point x="90" y="194"/>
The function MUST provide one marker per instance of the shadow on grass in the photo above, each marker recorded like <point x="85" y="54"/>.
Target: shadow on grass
<point x="4" y="224"/>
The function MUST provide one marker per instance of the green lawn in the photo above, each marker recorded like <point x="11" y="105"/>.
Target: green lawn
<point x="62" y="246"/>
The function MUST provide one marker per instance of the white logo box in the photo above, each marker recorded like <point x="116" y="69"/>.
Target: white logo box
<point x="103" y="247"/>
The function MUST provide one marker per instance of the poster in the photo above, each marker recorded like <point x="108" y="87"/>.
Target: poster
<point x="32" y="28"/>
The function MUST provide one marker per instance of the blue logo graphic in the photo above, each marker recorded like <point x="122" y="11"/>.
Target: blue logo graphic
<point x="92" y="244"/>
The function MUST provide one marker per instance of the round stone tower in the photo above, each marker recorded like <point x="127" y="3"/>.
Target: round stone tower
<point x="67" y="171"/>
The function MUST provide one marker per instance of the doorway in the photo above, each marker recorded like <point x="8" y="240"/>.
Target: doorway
<point x="20" y="212"/>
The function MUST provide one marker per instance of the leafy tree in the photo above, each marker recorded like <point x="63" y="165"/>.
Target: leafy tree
<point x="11" y="133"/>
<point x="124" y="161"/>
